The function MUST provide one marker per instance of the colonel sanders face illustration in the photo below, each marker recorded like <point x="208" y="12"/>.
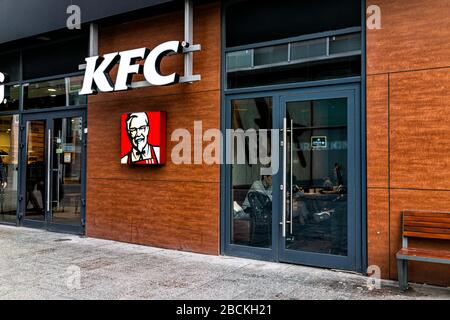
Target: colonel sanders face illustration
<point x="138" y="129"/>
<point x="137" y="126"/>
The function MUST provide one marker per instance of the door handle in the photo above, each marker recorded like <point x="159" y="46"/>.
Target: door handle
<point x="291" y="179"/>
<point x="283" y="211"/>
<point x="49" y="140"/>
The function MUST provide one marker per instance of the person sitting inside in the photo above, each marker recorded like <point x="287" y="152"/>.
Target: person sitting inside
<point x="264" y="186"/>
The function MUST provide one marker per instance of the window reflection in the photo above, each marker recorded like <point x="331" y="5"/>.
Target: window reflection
<point x="9" y="135"/>
<point x="252" y="191"/>
<point x="66" y="177"/>
<point x="10" y="65"/>
<point x="307" y="60"/>
<point x="317" y="171"/>
<point x="12" y="97"/>
<point x="35" y="171"/>
<point x="53" y="93"/>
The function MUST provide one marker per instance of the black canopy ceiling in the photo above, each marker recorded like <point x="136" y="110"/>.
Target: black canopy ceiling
<point x="24" y="18"/>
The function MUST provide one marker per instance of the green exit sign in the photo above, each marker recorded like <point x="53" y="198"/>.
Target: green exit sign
<point x="319" y="142"/>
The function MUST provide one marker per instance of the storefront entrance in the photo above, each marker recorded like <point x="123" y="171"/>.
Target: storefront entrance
<point x="52" y="167"/>
<point x="42" y="121"/>
<point x="306" y="211"/>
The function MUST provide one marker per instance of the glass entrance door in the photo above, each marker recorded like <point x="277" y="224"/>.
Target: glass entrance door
<point x="292" y="171"/>
<point x="53" y="171"/>
<point x="35" y="170"/>
<point x="318" y="211"/>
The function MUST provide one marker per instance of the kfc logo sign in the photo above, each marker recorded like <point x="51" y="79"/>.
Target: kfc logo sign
<point x="143" y="139"/>
<point x="2" y="88"/>
<point x="97" y="78"/>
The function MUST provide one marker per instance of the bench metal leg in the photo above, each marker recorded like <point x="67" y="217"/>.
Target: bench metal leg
<point x="402" y="268"/>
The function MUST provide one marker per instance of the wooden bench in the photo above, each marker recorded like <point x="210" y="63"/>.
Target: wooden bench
<point x="422" y="224"/>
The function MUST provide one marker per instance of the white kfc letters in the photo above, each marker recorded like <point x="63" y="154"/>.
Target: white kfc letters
<point x="2" y="88"/>
<point x="97" y="78"/>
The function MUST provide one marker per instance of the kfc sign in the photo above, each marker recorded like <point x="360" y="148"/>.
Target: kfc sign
<point x="97" y="78"/>
<point x="143" y="138"/>
<point x="2" y="88"/>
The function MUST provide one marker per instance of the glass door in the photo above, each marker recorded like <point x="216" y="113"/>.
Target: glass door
<point x="35" y="189"/>
<point x="318" y="212"/>
<point x="66" y="170"/>
<point x="9" y="170"/>
<point x="53" y="171"/>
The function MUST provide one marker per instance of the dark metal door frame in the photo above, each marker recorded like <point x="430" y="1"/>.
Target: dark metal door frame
<point x="48" y="117"/>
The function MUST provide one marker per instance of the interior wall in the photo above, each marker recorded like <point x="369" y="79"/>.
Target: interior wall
<point x="408" y="131"/>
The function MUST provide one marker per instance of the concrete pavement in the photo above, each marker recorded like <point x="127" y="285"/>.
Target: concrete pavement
<point x="36" y="264"/>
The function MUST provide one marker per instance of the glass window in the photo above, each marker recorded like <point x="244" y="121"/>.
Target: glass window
<point x="249" y="23"/>
<point x="35" y="171"/>
<point x="53" y="93"/>
<point x="54" y="58"/>
<point x="9" y="64"/>
<point x="317" y="175"/>
<point x="12" y="96"/>
<point x="309" y="49"/>
<point x="9" y="140"/>
<point x="345" y="43"/>
<point x="323" y="69"/>
<point x="307" y="60"/>
<point x="66" y="178"/>
<point x="320" y="113"/>
<point x="271" y="55"/>
<point x="252" y="186"/>
<point x="74" y="85"/>
<point x="255" y="21"/>
<point x="239" y="59"/>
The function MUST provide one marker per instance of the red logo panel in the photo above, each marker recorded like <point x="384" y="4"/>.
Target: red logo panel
<point x="143" y="138"/>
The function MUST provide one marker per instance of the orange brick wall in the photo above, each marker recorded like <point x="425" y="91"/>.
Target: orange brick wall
<point x="408" y="127"/>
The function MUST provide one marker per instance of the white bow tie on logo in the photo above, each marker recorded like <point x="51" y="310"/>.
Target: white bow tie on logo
<point x="2" y="88"/>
